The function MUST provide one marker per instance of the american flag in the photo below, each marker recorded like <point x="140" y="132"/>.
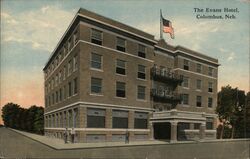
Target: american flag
<point x="167" y="27"/>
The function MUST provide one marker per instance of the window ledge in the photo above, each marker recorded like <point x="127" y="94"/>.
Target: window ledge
<point x="141" y="79"/>
<point x="141" y="100"/>
<point x="120" y="97"/>
<point x="121" y="75"/>
<point x="185" y="105"/>
<point x="96" y="69"/>
<point x="94" y="94"/>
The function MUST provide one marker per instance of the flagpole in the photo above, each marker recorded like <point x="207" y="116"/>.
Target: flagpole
<point x="161" y="36"/>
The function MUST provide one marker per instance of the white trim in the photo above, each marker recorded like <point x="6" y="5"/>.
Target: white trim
<point x="125" y="53"/>
<point x="194" y="73"/>
<point x="164" y="54"/>
<point x="153" y="41"/>
<point x="176" y="51"/>
<point x="197" y="62"/>
<point x="100" y="129"/>
<point x="115" y="34"/>
<point x="90" y="104"/>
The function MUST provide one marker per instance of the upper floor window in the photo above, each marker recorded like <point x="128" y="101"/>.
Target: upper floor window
<point x="64" y="72"/>
<point x="185" y="99"/>
<point x="120" y="44"/>
<point x="96" y="61"/>
<point x="186" y="65"/>
<point x="56" y="80"/>
<point x="75" y="37"/>
<point x="70" y="89"/>
<point x="185" y="82"/>
<point x="96" y="85"/>
<point x="60" y="94"/>
<point x="210" y="71"/>
<point x="141" y="91"/>
<point x="141" y="51"/>
<point x="198" y="68"/>
<point x="198" y="84"/>
<point x="75" y="63"/>
<point x="210" y="87"/>
<point x="69" y="44"/>
<point x="198" y="101"/>
<point x="60" y="76"/>
<point x="141" y="72"/>
<point x="65" y="50"/>
<point x="120" y="89"/>
<point x="120" y="67"/>
<point x="96" y="37"/>
<point x="69" y="67"/>
<point x="210" y="102"/>
<point x="75" y="86"/>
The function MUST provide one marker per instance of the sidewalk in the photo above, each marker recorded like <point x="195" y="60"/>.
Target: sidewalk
<point x="59" y="143"/>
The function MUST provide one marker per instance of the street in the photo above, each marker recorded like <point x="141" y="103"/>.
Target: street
<point x="13" y="145"/>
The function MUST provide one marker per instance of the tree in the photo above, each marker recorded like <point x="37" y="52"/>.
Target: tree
<point x="10" y="115"/>
<point x="231" y="103"/>
<point x="39" y="120"/>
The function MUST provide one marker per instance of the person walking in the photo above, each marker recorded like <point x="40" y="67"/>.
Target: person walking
<point x="65" y="134"/>
<point x="127" y="137"/>
<point x="72" y="135"/>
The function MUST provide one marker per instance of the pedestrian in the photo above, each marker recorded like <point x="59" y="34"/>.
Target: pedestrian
<point x="65" y="134"/>
<point x="127" y="137"/>
<point x="72" y="135"/>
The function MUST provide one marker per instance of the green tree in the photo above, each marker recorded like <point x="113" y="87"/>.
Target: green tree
<point x="231" y="103"/>
<point x="39" y="120"/>
<point x="10" y="115"/>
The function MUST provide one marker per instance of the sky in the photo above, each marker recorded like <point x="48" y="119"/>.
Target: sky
<point x="30" y="31"/>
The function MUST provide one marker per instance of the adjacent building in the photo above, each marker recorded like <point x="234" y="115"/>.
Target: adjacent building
<point x="105" y="78"/>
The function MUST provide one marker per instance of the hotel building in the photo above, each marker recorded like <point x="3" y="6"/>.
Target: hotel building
<point x="105" y="78"/>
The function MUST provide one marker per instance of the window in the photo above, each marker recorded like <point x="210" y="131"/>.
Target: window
<point x="185" y="82"/>
<point x="210" y="71"/>
<point x="209" y="124"/>
<point x="96" y="37"/>
<point x="60" y="76"/>
<point x="186" y="65"/>
<point x="69" y="67"/>
<point x="198" y="84"/>
<point x="96" y="85"/>
<point x="60" y="94"/>
<point x="121" y="67"/>
<point x="198" y="68"/>
<point x="141" y="72"/>
<point x="53" y="98"/>
<point x="197" y="126"/>
<point x="141" y="92"/>
<point x="56" y="80"/>
<point x="52" y="83"/>
<point x="120" y="89"/>
<point x="75" y="86"/>
<point x="142" y="51"/>
<point x="141" y="120"/>
<point x="210" y="102"/>
<point x="120" y="44"/>
<point x="119" y="119"/>
<point x="65" y="50"/>
<point x="185" y="99"/>
<point x="96" y="61"/>
<point x="69" y="44"/>
<point x="95" y="118"/>
<point x="75" y="63"/>
<point x="210" y="87"/>
<point x="49" y="101"/>
<point x="65" y="92"/>
<point x="60" y="56"/>
<point x="75" y="37"/>
<point x="198" y="101"/>
<point x="64" y="72"/>
<point x="69" y="89"/>
<point x="56" y="96"/>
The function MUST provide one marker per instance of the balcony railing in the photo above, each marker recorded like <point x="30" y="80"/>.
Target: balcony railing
<point x="164" y="75"/>
<point x="165" y="96"/>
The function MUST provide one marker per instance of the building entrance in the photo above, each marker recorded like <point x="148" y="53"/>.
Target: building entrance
<point x="162" y="131"/>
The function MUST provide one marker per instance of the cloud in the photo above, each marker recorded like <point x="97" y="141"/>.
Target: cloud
<point x="231" y="56"/>
<point x="40" y="29"/>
